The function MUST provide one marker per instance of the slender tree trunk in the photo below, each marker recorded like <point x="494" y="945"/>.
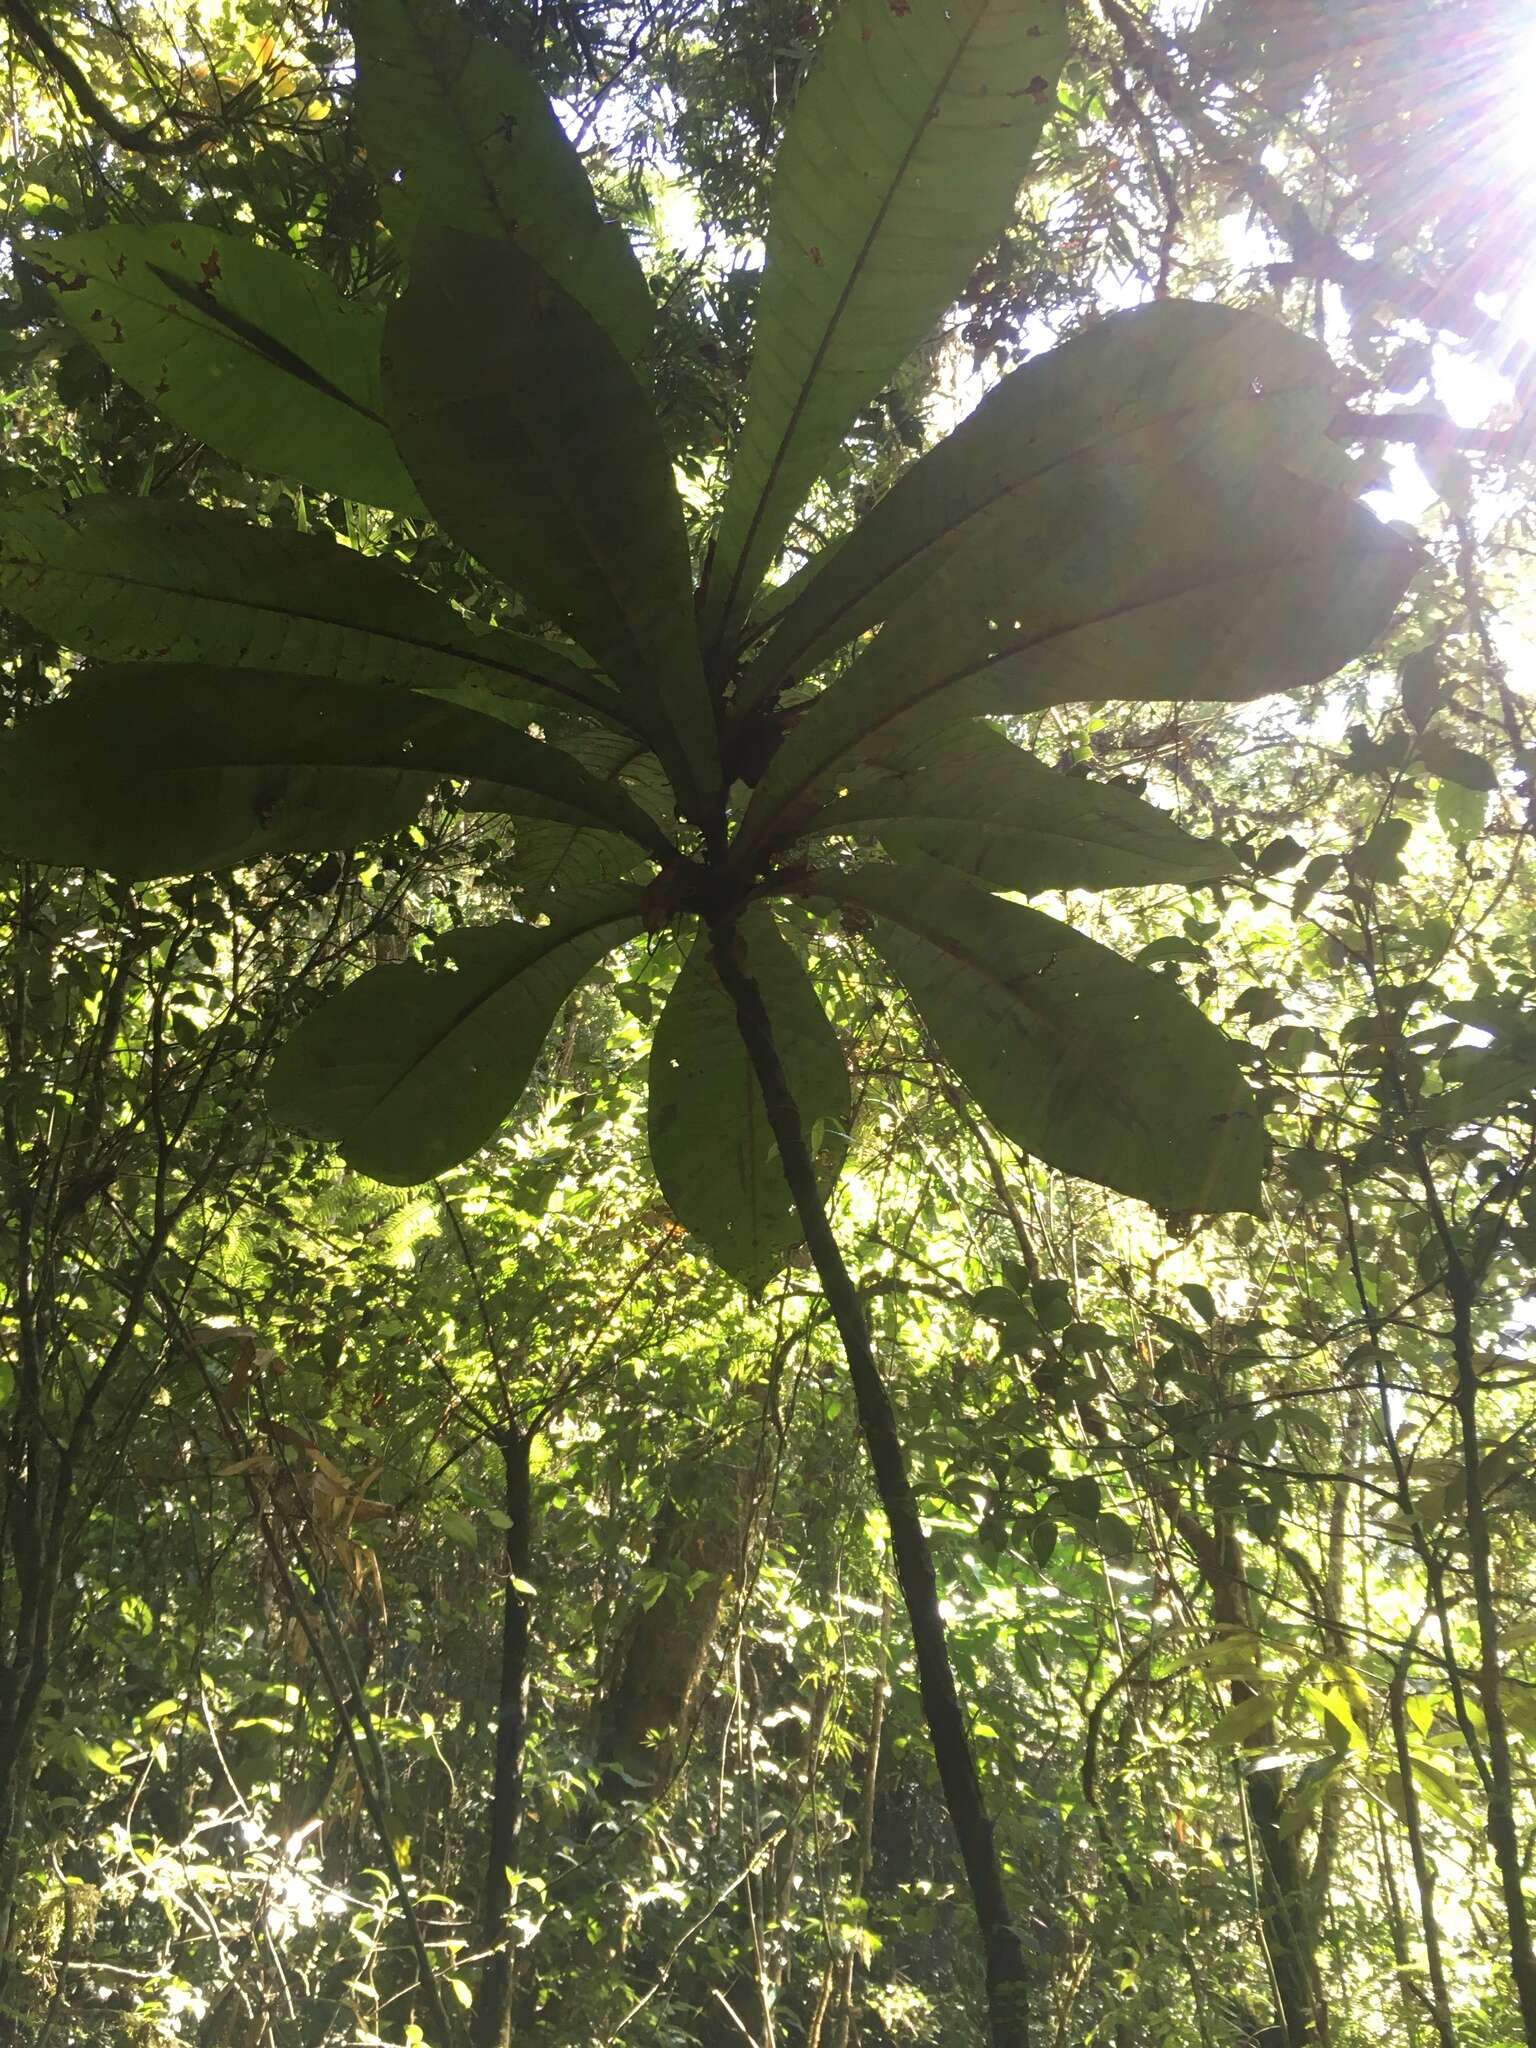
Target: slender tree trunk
<point x="1503" y="1832"/>
<point x="1290" y="1933"/>
<point x="1287" y="1919"/>
<point x="1423" y="1869"/>
<point x="864" y="1853"/>
<point x="490" y="2024"/>
<point x="1397" y="1923"/>
<point x="829" y="1979"/>
<point x="1008" y="1979"/>
<point x="35" y="1549"/>
<point x="1460" y="1287"/>
<point x="1346" y="1488"/>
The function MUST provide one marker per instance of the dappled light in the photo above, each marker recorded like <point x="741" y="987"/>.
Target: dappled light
<point x="768" y="960"/>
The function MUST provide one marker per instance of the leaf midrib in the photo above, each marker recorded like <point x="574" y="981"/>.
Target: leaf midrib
<point x="559" y="936"/>
<point x="1177" y="416"/>
<point x="941" y="943"/>
<point x="1027" y="644"/>
<point x="855" y="273"/>
<point x="425" y="645"/>
<point x="249" y="335"/>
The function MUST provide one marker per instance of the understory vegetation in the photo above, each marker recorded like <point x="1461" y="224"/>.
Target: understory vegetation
<point x="768" y="1132"/>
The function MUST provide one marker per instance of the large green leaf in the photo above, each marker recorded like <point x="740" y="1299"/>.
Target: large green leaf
<point x="1098" y="1067"/>
<point x="711" y="1146"/>
<point x="1130" y="576"/>
<point x="459" y="130"/>
<point x="978" y="803"/>
<point x="535" y="446"/>
<point x="1167" y="377"/>
<point x="169" y="771"/>
<point x="154" y="771"/>
<point x="410" y="1069"/>
<point x="250" y="350"/>
<point x="131" y="579"/>
<point x="548" y="859"/>
<point x="899" y="168"/>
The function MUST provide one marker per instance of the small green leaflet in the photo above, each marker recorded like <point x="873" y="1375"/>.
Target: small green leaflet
<point x="1244" y="1720"/>
<point x="1497" y="1080"/>
<point x="249" y="349"/>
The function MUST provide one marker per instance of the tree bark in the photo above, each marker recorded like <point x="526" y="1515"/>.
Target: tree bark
<point x="1007" y="1973"/>
<point x="645" y="1714"/>
<point x="1423" y="1869"/>
<point x="1503" y="1831"/>
<point x="490" y="2024"/>
<point x="864" y="1855"/>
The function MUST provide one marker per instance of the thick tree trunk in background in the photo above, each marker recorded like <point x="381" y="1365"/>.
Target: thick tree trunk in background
<point x="1343" y="1501"/>
<point x="647" y="1707"/>
<point x="1007" y="1974"/>
<point x="1290" y="1927"/>
<point x="1460" y="1285"/>
<point x="15" y="1774"/>
<point x="490" y="2023"/>
<point x="1289" y="1931"/>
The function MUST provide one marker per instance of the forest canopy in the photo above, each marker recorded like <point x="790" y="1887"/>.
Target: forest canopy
<point x="768" y="1134"/>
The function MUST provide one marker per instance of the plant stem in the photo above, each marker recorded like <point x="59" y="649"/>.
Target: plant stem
<point x="1503" y="1831"/>
<point x="1423" y="1869"/>
<point x="1460" y="1285"/>
<point x="1008" y="1982"/>
<point x="491" y="2019"/>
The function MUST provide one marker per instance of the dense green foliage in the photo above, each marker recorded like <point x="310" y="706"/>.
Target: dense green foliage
<point x="644" y="1406"/>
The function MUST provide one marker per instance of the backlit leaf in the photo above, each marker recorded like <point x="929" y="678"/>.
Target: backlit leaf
<point x="411" y="1069"/>
<point x="152" y="771"/>
<point x="1497" y="1080"/>
<point x="534" y="444"/>
<point x="132" y="580"/>
<point x="899" y="168"/>
<point x="466" y="138"/>
<point x="711" y="1146"/>
<point x="1090" y="1063"/>
<point x="1142" y="578"/>
<point x="1172" y="377"/>
<point x="1241" y="1722"/>
<point x="981" y="805"/>
<point x="249" y="349"/>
